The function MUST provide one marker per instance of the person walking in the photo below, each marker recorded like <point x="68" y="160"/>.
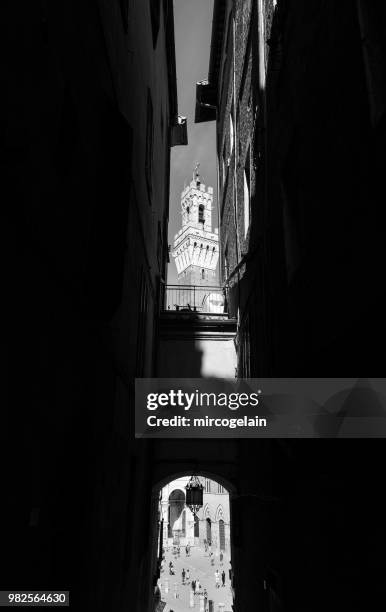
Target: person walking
<point x="176" y="593"/>
<point x="217" y="578"/>
<point x="194" y="587"/>
<point x="183" y="575"/>
<point x="223" y="578"/>
<point x="198" y="586"/>
<point x="187" y="575"/>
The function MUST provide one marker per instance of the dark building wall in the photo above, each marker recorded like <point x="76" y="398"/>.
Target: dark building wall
<point x="90" y="97"/>
<point x="241" y="102"/>
<point x="306" y="526"/>
<point x="305" y="275"/>
<point x="315" y="241"/>
<point x="78" y="491"/>
<point x="324" y="158"/>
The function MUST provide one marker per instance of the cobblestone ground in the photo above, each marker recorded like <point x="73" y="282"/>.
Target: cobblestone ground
<point x="200" y="568"/>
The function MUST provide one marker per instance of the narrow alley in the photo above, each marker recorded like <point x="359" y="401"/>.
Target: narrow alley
<point x="192" y="189"/>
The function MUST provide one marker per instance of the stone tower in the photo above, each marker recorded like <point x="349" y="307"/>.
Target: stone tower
<point x="196" y="247"/>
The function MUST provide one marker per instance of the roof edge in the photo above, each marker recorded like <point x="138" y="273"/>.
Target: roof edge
<point x="218" y="23"/>
<point x="171" y="57"/>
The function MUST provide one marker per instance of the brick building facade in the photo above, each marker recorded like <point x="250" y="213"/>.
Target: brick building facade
<point x="300" y="112"/>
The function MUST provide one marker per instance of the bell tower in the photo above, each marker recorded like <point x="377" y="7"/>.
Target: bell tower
<point x="196" y="247"/>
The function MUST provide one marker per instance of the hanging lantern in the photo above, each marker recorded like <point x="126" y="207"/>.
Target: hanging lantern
<point x="194" y="495"/>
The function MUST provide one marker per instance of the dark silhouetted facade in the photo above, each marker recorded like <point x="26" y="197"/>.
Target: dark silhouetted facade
<point x="90" y="114"/>
<point x="299" y="93"/>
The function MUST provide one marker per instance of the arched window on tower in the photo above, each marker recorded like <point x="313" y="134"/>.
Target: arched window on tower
<point x="201" y="214"/>
<point x="187" y="210"/>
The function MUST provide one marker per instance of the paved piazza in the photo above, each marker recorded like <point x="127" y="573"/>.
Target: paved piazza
<point x="200" y="568"/>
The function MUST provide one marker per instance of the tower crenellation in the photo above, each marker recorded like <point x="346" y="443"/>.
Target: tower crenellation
<point x="196" y="245"/>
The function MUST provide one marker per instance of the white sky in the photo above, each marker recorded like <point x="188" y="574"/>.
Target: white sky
<point x="193" y="27"/>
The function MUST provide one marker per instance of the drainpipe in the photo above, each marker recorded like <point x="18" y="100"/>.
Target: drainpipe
<point x="261" y="45"/>
<point x="235" y="142"/>
<point x="262" y="88"/>
<point x="221" y="279"/>
<point x="238" y="254"/>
